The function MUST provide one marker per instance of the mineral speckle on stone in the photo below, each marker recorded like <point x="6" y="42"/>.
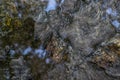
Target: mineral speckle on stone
<point x="69" y="40"/>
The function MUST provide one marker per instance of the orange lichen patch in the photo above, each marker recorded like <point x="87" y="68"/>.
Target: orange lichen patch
<point x="52" y="45"/>
<point x="115" y="46"/>
<point x="57" y="50"/>
<point x="109" y="53"/>
<point x="57" y="57"/>
<point x="104" y="60"/>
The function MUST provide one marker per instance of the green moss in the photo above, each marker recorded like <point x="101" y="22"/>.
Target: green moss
<point x="19" y="32"/>
<point x="12" y="28"/>
<point x="15" y="30"/>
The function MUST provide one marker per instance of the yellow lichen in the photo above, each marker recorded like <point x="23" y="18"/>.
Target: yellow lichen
<point x="104" y="60"/>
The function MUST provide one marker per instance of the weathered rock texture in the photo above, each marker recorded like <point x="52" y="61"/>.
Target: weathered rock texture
<point x="79" y="39"/>
<point x="81" y="26"/>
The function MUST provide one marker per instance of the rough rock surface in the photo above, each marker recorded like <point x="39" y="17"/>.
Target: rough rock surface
<point x="79" y="39"/>
<point x="80" y="25"/>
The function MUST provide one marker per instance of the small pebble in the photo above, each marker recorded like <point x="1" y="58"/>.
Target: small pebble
<point x="41" y="53"/>
<point x="20" y="15"/>
<point x="109" y="11"/>
<point x="27" y="50"/>
<point x="12" y="52"/>
<point x="116" y="24"/>
<point x="52" y="4"/>
<point x="47" y="60"/>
